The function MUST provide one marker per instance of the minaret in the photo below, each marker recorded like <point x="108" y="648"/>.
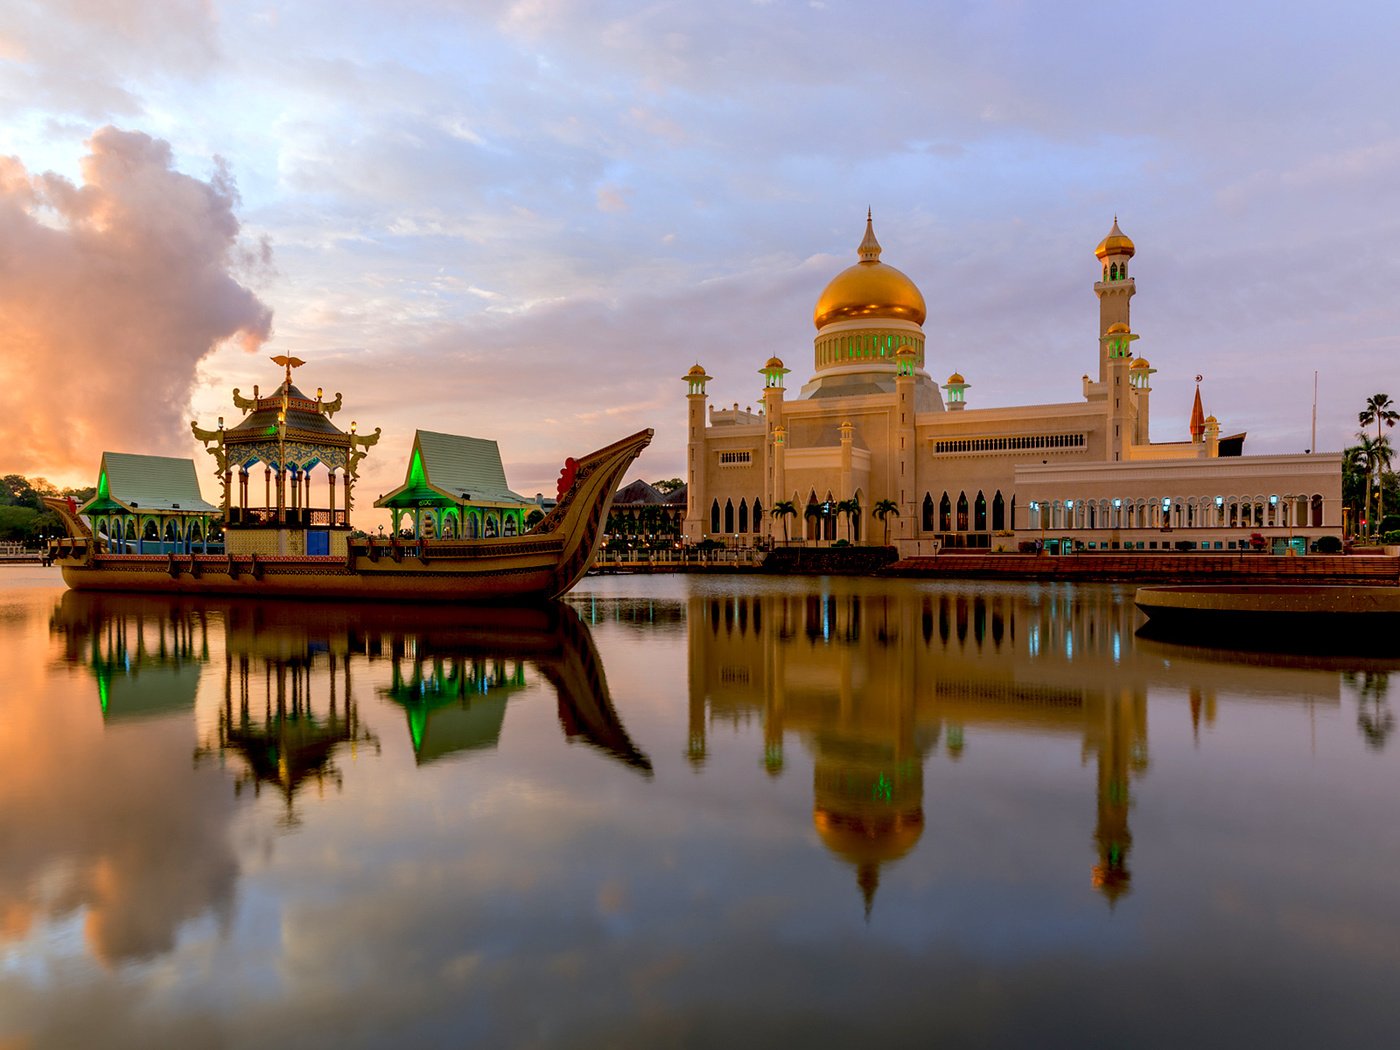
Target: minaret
<point x="1140" y="378"/>
<point x="695" y="453"/>
<point x="1116" y="351"/>
<point x="906" y="481"/>
<point x="1115" y="289"/>
<point x="774" y="483"/>
<point x="957" y="392"/>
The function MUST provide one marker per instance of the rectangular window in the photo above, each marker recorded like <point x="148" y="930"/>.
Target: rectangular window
<point x="735" y="459"/>
<point x="1000" y="444"/>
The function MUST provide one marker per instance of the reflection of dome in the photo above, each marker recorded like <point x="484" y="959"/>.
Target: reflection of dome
<point x="1116" y="243"/>
<point x="870" y="289"/>
<point x="868" y="840"/>
<point x="871" y="838"/>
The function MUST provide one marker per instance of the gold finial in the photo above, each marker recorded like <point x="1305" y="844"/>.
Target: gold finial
<point x="869" y="249"/>
<point x="290" y="362"/>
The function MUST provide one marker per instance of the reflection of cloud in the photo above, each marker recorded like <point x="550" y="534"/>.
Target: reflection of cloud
<point x="109" y="822"/>
<point x="114" y="290"/>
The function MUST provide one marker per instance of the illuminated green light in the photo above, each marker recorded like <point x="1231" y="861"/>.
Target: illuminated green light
<point x="103" y="492"/>
<point x="417" y="723"/>
<point x="417" y="476"/>
<point x="884" y="789"/>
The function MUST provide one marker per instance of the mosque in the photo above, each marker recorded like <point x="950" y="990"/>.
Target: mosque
<point x="871" y="428"/>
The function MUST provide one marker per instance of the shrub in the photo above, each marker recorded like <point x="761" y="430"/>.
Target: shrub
<point x="1328" y="545"/>
<point x="1393" y="536"/>
<point x="842" y="543"/>
<point x="1257" y="541"/>
<point x="1026" y="546"/>
<point x="1185" y="545"/>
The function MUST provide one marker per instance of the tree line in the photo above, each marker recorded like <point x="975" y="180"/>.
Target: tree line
<point x="23" y="516"/>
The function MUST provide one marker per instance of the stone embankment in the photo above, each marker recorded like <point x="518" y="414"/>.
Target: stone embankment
<point x="1184" y="568"/>
<point x="829" y="561"/>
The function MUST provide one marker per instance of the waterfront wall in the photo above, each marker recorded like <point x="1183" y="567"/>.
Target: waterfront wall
<point x="1221" y="568"/>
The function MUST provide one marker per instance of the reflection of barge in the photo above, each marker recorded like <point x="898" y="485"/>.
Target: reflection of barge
<point x="1296" y="617"/>
<point x="290" y="549"/>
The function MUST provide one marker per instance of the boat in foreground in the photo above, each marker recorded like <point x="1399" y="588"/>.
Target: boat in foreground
<point x="542" y="563"/>
<point x="1318" y="615"/>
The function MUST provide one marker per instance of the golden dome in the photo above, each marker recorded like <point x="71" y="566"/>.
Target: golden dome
<point x="1117" y="328"/>
<point x="774" y="362"/>
<point x="1116" y="243"/>
<point x="1140" y="362"/>
<point x="956" y="377"/>
<point x="1212" y="421"/>
<point x="870" y="289"/>
<point x="696" y="370"/>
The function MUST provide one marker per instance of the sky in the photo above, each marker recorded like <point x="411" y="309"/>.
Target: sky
<point x="526" y="220"/>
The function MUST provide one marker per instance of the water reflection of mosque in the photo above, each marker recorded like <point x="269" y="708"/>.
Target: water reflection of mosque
<point x="876" y="684"/>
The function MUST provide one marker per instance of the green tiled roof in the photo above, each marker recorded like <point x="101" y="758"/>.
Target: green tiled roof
<point x="450" y="465"/>
<point x="159" y="483"/>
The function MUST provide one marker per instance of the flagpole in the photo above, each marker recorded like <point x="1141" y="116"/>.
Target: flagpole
<point x="1314" y="420"/>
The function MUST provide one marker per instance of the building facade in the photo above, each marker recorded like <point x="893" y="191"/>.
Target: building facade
<point x="871" y="433"/>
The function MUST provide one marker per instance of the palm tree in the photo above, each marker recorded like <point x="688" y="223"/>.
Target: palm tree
<point x="1356" y="482"/>
<point x="814" y="511"/>
<point x="784" y="509"/>
<point x="850" y="508"/>
<point x="882" y="510"/>
<point x="1371" y="458"/>
<point x="1379" y="410"/>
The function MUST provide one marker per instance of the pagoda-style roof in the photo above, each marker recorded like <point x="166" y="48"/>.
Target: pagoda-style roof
<point x="452" y="469"/>
<point x="306" y="419"/>
<point x="128" y="483"/>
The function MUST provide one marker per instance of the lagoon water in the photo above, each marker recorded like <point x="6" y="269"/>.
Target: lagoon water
<point x="687" y="812"/>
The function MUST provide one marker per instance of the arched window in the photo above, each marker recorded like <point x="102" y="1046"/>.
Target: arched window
<point x="757" y="516"/>
<point x="714" y="516"/>
<point x="1113" y="272"/>
<point x="945" y="514"/>
<point x="508" y="526"/>
<point x="979" y="514"/>
<point x="743" y="516"/>
<point x="728" y="515"/>
<point x="928" y="513"/>
<point x="998" y="512"/>
<point x="490" y="527"/>
<point x="1316" y="511"/>
<point x="962" y="511"/>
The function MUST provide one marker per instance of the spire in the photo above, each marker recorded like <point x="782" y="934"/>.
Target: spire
<point x="868" y="879"/>
<point x="869" y="246"/>
<point x="1198" y="415"/>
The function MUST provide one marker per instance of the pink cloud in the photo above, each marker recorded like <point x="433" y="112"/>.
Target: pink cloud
<point x="111" y="293"/>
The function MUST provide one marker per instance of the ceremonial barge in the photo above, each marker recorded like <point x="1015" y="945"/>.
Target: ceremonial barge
<point x="459" y="534"/>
